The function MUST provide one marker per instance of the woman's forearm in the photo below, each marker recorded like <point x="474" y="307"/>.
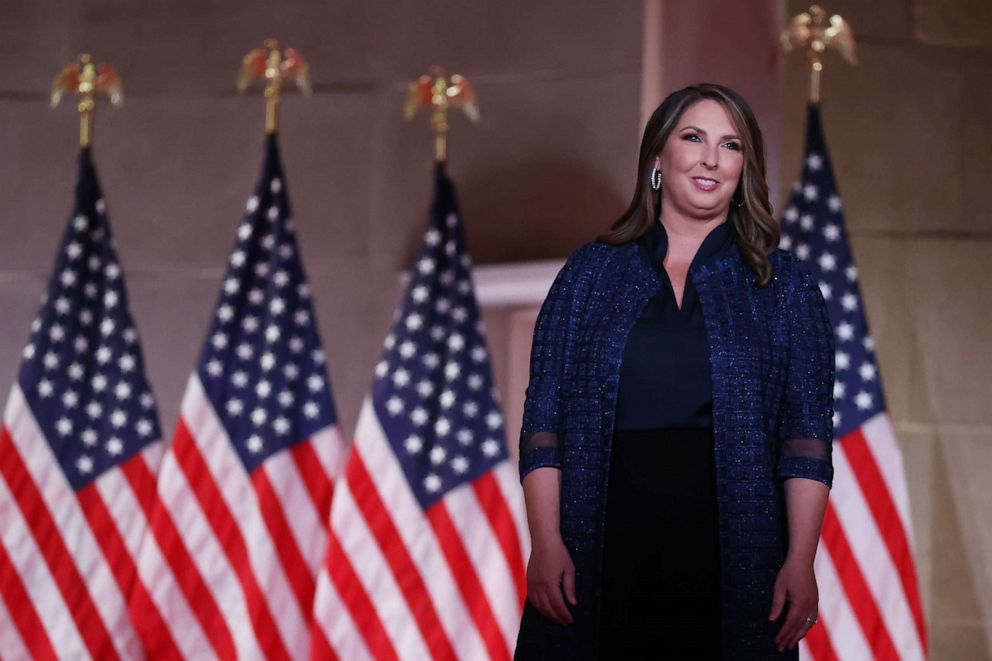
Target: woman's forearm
<point x="806" y="501"/>
<point x="542" y="488"/>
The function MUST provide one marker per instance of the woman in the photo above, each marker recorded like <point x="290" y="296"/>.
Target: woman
<point x="675" y="451"/>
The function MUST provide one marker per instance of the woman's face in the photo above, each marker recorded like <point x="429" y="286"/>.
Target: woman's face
<point x="701" y="161"/>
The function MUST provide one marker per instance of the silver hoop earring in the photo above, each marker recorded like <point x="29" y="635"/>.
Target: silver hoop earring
<point x="655" y="179"/>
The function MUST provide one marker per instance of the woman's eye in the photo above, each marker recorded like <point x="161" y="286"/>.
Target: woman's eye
<point x="691" y="136"/>
<point x="733" y="146"/>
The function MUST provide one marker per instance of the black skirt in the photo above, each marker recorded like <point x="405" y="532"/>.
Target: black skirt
<point x="661" y="563"/>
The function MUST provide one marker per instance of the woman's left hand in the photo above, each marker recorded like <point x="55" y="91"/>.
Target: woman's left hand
<point x="797" y="585"/>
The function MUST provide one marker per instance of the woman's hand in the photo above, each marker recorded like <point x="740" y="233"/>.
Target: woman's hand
<point x="551" y="579"/>
<point x="797" y="585"/>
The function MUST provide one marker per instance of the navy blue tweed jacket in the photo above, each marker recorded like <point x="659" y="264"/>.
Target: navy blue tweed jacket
<point x="772" y="360"/>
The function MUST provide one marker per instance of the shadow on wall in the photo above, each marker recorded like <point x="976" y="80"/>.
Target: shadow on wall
<point x="536" y="210"/>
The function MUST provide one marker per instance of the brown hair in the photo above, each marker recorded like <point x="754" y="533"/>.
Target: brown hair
<point x="757" y="230"/>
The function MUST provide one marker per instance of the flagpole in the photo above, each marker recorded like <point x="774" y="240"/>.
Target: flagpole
<point x="814" y="32"/>
<point x="439" y="92"/>
<point x="86" y="79"/>
<point x="274" y="66"/>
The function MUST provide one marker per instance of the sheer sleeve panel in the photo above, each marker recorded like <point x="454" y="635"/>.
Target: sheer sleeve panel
<point x="806" y="425"/>
<point x="540" y="434"/>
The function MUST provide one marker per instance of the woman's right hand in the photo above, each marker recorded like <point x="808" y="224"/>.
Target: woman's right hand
<point x="551" y="579"/>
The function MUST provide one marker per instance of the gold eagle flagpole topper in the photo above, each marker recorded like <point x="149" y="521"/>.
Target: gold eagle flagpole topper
<point x="439" y="92"/>
<point x="813" y="31"/>
<point x="274" y="65"/>
<point x="86" y="80"/>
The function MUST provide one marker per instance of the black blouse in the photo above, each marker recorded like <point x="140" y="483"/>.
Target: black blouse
<point x="665" y="376"/>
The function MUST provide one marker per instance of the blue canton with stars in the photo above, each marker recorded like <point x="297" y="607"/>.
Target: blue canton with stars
<point x="82" y="373"/>
<point x="813" y="229"/>
<point x="433" y="392"/>
<point x="262" y="365"/>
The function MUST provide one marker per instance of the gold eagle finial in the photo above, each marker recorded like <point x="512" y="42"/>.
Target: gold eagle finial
<point x="86" y="79"/>
<point x="439" y="92"/>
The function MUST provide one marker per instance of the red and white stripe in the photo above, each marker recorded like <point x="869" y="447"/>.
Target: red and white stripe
<point x="67" y="558"/>
<point x="404" y="583"/>
<point x="870" y="605"/>
<point x="232" y="557"/>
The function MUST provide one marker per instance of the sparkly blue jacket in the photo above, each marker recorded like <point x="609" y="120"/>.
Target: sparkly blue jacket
<point x="772" y="361"/>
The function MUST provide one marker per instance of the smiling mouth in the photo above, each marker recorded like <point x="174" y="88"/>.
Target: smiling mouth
<point x="704" y="183"/>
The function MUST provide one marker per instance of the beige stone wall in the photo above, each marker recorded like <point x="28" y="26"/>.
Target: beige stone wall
<point x="908" y="129"/>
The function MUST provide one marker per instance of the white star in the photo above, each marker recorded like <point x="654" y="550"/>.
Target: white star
<point x="90" y="290"/>
<point x="273" y="212"/>
<point x="311" y="410"/>
<point x="126" y="362"/>
<point x="867" y="371"/>
<point x="418" y="416"/>
<point x="301" y="318"/>
<point x="814" y="162"/>
<point x="845" y="331"/>
<point x="219" y="340"/>
<point x="147" y="400"/>
<point x="28" y="352"/>
<point x="258" y="416"/>
<point x="437" y="333"/>
<point x="68" y="278"/>
<point x="442" y="305"/>
<point x="802" y="251"/>
<point x="84" y="464"/>
<point x="231" y="286"/>
<point x="277" y="306"/>
<point x="831" y="232"/>
<point x="244" y="231"/>
<point x="827" y="262"/>
<point x="437" y="455"/>
<point x="94" y="410"/>
<point x="431" y="360"/>
<point x="268" y="361"/>
<point x="494" y="420"/>
<point x="414" y="322"/>
<point x="456" y="342"/>
<point x="413" y="444"/>
<point x="263" y="389"/>
<point x="432" y="237"/>
<point x="479" y="354"/>
<point x="79" y="223"/>
<point x="401" y="378"/>
<point x="62" y="305"/>
<point x="849" y="302"/>
<point x="118" y="418"/>
<point x="382" y="369"/>
<point x="447" y="399"/>
<point x="851" y="272"/>
<point x="285" y="398"/>
<point x="281" y="279"/>
<point x="252" y="203"/>
<point x="791" y="214"/>
<point x="315" y="383"/>
<point x="836" y="418"/>
<point x="425" y="388"/>
<point x="834" y="203"/>
<point x="272" y="333"/>
<point x="291" y="371"/>
<point x="296" y="344"/>
<point x="114" y="446"/>
<point x="130" y="335"/>
<point x="303" y="290"/>
<point x="810" y="192"/>
<point x="122" y="390"/>
<point x="89" y="437"/>
<point x="85" y="317"/>
<point x="225" y="312"/>
<point x="239" y="379"/>
<point x="474" y="382"/>
<point x="144" y="427"/>
<point x="214" y="368"/>
<point x="255" y="296"/>
<point x="99" y="382"/>
<point x="426" y="265"/>
<point x="490" y="447"/>
<point x="459" y="464"/>
<point x="64" y="426"/>
<point x="107" y="327"/>
<point x="281" y="425"/>
<point x="56" y="333"/>
<point x="842" y="360"/>
<point x="419" y="294"/>
<point x="432" y="483"/>
<point x="839" y="390"/>
<point x="51" y="360"/>
<point x="863" y="400"/>
<point x="70" y="399"/>
<point x="407" y="349"/>
<point x="394" y="405"/>
<point x="452" y="370"/>
<point x="465" y="436"/>
<point x="103" y="354"/>
<point x="244" y="351"/>
<point x="249" y="324"/>
<point x="254" y="443"/>
<point x="806" y="222"/>
<point x="442" y="427"/>
<point x="868" y="342"/>
<point x="470" y="409"/>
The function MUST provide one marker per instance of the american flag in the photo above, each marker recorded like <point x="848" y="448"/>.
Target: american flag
<point x="427" y="544"/>
<point x="243" y="498"/>
<point x="79" y="448"/>
<point x="869" y="599"/>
